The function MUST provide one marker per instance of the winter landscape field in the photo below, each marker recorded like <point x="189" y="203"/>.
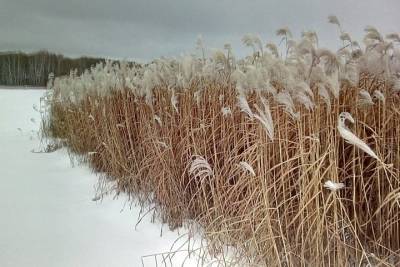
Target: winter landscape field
<point x="199" y="133"/>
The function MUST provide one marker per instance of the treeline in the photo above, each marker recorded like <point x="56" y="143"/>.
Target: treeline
<point x="17" y="68"/>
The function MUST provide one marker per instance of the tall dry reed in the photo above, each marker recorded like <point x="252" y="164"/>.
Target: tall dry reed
<point x="282" y="186"/>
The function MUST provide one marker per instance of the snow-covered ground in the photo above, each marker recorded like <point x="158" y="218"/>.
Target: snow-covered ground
<point x="47" y="216"/>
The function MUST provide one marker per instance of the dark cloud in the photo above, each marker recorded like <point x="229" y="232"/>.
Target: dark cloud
<point x="149" y="28"/>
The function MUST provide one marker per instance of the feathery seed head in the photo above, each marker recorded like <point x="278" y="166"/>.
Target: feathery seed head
<point x="345" y="37"/>
<point x="199" y="167"/>
<point x="333" y="186"/>
<point x="285" y="32"/>
<point x="273" y="48"/>
<point x="247" y="167"/>
<point x="364" y="98"/>
<point x="334" y="20"/>
<point x="351" y="138"/>
<point x="244" y="106"/>
<point x="395" y="37"/>
<point x="379" y="95"/>
<point x="343" y="116"/>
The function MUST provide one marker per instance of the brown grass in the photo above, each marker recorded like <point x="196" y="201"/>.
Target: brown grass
<point x="281" y="217"/>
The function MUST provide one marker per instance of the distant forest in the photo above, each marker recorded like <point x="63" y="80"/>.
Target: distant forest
<point x="17" y="68"/>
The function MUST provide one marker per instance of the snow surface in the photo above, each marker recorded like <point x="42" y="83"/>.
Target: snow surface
<point x="47" y="216"/>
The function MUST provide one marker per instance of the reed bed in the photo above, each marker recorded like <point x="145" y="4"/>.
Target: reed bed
<point x="256" y="151"/>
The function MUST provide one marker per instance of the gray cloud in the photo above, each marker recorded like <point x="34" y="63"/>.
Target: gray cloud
<point x="147" y="29"/>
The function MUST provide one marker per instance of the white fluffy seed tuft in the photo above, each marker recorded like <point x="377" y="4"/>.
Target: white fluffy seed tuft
<point x="333" y="186"/>
<point x="200" y="168"/>
<point x="247" y="167"/>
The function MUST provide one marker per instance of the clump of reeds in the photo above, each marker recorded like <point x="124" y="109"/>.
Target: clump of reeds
<point x="291" y="155"/>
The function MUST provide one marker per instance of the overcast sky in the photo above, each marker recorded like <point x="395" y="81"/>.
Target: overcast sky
<point x="142" y="30"/>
